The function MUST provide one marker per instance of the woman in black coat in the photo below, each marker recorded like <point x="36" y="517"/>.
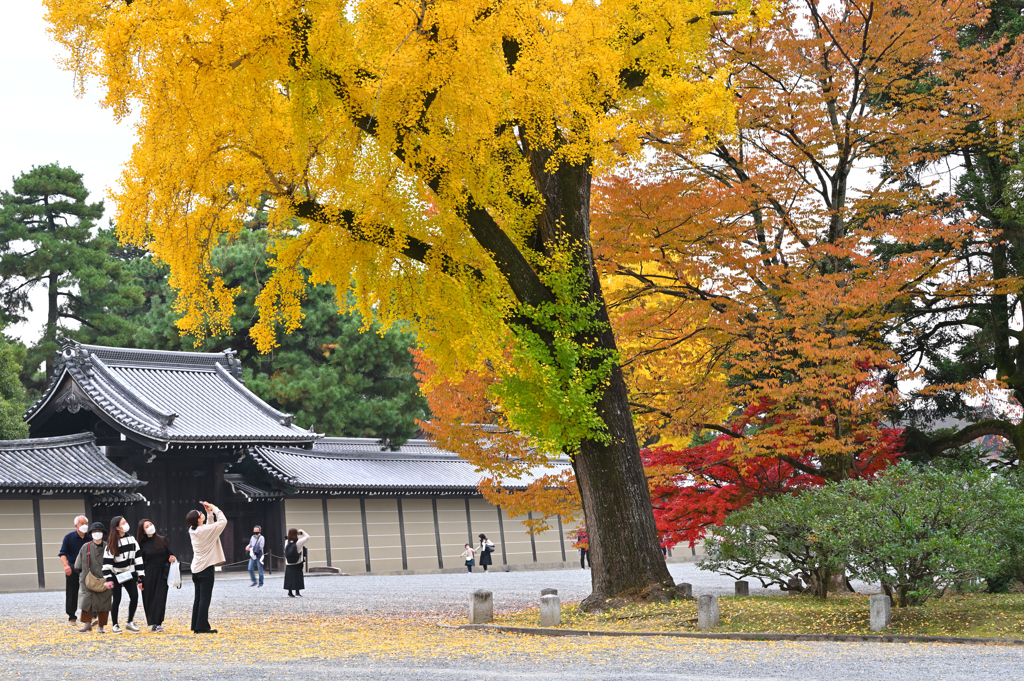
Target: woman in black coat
<point x="156" y="553"/>
<point x="293" y="577"/>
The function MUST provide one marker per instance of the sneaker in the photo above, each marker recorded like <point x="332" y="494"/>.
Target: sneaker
<point x="73" y="623"/>
<point x="152" y="627"/>
<point x="132" y="626"/>
<point x="299" y="596"/>
<point x="261" y="586"/>
<point x="116" y="629"/>
<point x="254" y="584"/>
<point x="158" y="627"/>
<point x="100" y="630"/>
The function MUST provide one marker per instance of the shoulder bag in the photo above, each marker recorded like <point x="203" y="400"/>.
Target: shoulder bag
<point x="92" y="582"/>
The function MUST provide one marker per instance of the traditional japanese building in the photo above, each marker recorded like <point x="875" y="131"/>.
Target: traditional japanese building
<point x="44" y="484"/>
<point x="184" y="425"/>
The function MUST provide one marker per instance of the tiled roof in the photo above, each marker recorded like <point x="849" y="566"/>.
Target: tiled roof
<point x="167" y="397"/>
<point x="359" y="465"/>
<point x="251" y="492"/>
<point x="72" y="463"/>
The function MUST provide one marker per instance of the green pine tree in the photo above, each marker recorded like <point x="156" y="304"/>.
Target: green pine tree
<point x="48" y="240"/>
<point x="331" y="376"/>
<point x="12" y="393"/>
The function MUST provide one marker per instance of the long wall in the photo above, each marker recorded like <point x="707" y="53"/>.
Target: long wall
<point x="392" y="534"/>
<point x="31" y="532"/>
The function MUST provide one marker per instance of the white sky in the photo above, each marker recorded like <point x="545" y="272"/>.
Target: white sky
<point x="41" y="120"/>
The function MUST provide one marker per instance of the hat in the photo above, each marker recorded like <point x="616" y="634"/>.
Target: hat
<point x="98" y="527"/>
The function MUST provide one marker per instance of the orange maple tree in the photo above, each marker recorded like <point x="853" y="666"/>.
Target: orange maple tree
<point x="782" y="256"/>
<point x="524" y="480"/>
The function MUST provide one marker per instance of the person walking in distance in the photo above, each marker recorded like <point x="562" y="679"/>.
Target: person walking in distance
<point x="205" y="528"/>
<point x="467" y="556"/>
<point x="485" y="551"/>
<point x="157" y="559"/>
<point x="583" y="547"/>
<point x="255" y="551"/>
<point x="68" y="554"/>
<point x="122" y="565"/>
<point x="96" y="593"/>
<point x="293" y="577"/>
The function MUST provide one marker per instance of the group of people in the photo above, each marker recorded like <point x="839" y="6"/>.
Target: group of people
<point x="103" y="564"/>
<point x="485" y="550"/>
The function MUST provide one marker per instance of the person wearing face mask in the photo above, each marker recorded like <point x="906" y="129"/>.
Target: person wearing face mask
<point x="122" y="565"/>
<point x="96" y="593"/>
<point x="207" y="553"/>
<point x="68" y="554"/>
<point x="255" y="551"/>
<point x="156" y="559"/>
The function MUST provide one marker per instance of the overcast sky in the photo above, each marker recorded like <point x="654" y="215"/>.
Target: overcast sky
<point x="43" y="122"/>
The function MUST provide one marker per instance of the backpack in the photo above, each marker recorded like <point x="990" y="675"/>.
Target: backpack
<point x="291" y="553"/>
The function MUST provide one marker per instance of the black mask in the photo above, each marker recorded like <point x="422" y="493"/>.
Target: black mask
<point x="256" y="532"/>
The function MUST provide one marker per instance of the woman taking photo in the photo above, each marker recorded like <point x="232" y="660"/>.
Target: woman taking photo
<point x="157" y="559"/>
<point x="293" y="578"/>
<point x="207" y="553"/>
<point x="95" y="593"/>
<point x="122" y="565"/>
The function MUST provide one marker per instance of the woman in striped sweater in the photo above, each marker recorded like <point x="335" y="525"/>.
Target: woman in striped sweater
<point x="123" y="565"/>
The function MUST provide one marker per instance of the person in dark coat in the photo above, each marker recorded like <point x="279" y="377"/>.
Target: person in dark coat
<point x="293" y="577"/>
<point x="485" y="551"/>
<point x="157" y="557"/>
<point x="68" y="554"/>
<point x="90" y="561"/>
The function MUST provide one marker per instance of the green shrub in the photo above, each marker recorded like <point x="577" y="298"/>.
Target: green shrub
<point x="916" y="531"/>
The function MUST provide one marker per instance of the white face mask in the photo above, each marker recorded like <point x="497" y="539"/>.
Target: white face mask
<point x="150" y="530"/>
<point x="124" y="528"/>
<point x="97" y="536"/>
<point x="83" y="528"/>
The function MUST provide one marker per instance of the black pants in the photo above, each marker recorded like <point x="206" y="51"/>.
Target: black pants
<point x="133" y="599"/>
<point x="584" y="556"/>
<point x="71" y="583"/>
<point x="203" y="581"/>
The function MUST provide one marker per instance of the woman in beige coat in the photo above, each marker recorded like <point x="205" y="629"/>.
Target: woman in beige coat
<point x="207" y="553"/>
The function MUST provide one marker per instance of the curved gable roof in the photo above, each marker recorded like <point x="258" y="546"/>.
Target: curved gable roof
<point x="166" y="397"/>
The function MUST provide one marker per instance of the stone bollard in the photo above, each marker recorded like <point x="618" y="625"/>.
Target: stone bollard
<point x="707" y="612"/>
<point x="481" y="607"/>
<point x="550" y="610"/>
<point x="795" y="586"/>
<point x="686" y="589"/>
<point x="881" y="612"/>
<point x="549" y="592"/>
<point x="742" y="588"/>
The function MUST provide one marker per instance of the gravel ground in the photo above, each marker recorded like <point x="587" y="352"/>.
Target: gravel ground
<point x="399" y="595"/>
<point x="486" y="655"/>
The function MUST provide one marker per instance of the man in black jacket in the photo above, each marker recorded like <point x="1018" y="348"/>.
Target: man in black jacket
<point x="69" y="548"/>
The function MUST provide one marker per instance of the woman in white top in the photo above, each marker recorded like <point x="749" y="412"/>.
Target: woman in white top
<point x="123" y="566"/>
<point x="293" y="578"/>
<point x="207" y="553"/>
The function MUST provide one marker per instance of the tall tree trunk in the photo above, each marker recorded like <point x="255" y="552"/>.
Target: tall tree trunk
<point x="621" y="532"/>
<point x="50" y="333"/>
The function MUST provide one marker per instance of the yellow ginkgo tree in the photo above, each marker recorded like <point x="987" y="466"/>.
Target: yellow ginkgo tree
<point x="432" y="157"/>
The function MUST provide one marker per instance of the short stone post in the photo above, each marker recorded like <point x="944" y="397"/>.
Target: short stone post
<point x="550" y="610"/>
<point x="549" y="592"/>
<point x="742" y="588"/>
<point x="481" y="607"/>
<point x="707" y="612"/>
<point x="795" y="586"/>
<point x="881" y="612"/>
<point x="686" y="589"/>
